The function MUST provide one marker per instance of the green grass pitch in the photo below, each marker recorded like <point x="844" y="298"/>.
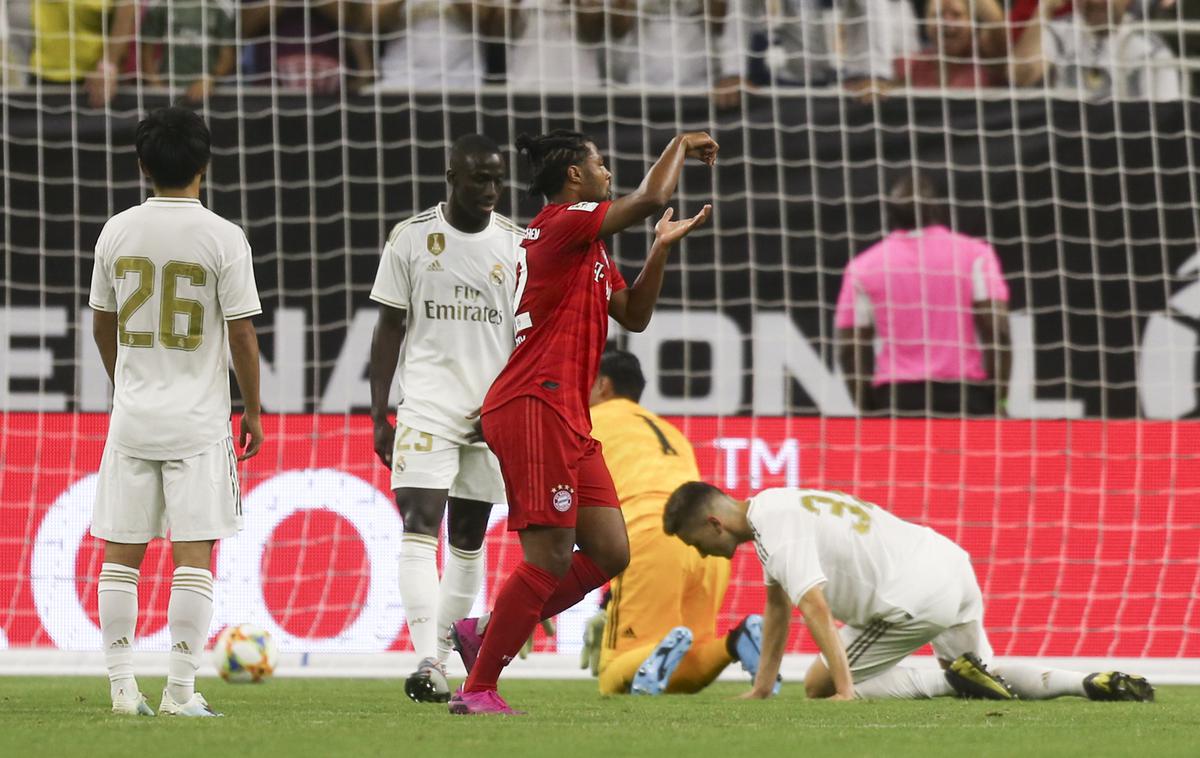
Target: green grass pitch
<point x="46" y="717"/>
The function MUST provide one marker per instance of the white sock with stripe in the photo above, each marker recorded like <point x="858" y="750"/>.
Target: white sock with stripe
<point x="905" y="683"/>
<point x="189" y="614"/>
<point x="1040" y="683"/>
<point x="419" y="591"/>
<point x="117" y="599"/>
<point x="461" y="580"/>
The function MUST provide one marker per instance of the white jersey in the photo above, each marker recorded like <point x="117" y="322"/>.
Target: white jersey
<point x="458" y="291"/>
<point x="1131" y="63"/>
<point x="174" y="272"/>
<point x="547" y="52"/>
<point x="670" y="45"/>
<point x="435" y="48"/>
<point x="871" y="563"/>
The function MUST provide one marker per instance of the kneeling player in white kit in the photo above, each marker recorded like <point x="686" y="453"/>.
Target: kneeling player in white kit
<point x="445" y="290"/>
<point x="895" y="586"/>
<point x="171" y="281"/>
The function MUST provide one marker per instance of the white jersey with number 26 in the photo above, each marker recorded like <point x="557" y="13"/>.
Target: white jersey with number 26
<point x="174" y="273"/>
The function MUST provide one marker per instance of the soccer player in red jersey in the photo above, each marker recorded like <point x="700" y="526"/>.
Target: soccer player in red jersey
<point x="535" y="417"/>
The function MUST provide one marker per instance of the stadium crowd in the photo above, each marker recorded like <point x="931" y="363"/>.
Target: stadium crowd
<point x="1096" y="49"/>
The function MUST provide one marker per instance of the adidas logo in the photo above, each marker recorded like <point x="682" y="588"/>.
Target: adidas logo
<point x="628" y="633"/>
<point x="181" y="647"/>
<point x="123" y="642"/>
<point x="435" y="266"/>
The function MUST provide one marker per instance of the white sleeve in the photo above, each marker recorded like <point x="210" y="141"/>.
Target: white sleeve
<point x="787" y="547"/>
<point x="794" y="566"/>
<point x="237" y="292"/>
<point x="1162" y="76"/>
<point x="864" y="310"/>
<point x="867" y="28"/>
<point x="742" y="18"/>
<point x="392" y="286"/>
<point x="102" y="296"/>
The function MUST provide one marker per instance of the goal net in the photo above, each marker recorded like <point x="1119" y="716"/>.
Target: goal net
<point x="1077" y="500"/>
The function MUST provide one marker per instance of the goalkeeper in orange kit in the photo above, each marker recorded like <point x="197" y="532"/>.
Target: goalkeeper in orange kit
<point x="660" y="631"/>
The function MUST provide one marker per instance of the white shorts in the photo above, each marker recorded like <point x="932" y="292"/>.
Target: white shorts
<point x="886" y="641"/>
<point x="421" y="460"/>
<point x="196" y="498"/>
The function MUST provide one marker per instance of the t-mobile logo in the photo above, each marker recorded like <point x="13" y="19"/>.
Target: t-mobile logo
<point x="599" y="270"/>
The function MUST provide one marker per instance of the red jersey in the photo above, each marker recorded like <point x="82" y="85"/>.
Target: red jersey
<point x="564" y="282"/>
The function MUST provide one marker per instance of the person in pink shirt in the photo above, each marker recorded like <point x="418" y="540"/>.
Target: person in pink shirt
<point x="922" y="316"/>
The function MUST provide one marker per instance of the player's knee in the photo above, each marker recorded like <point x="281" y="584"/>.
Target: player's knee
<point x="467" y="525"/>
<point x="420" y="518"/>
<point x="467" y="537"/>
<point x="818" y="690"/>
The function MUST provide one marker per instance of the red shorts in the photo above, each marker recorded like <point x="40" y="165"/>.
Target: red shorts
<point x="550" y="470"/>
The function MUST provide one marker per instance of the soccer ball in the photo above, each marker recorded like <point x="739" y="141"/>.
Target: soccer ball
<point x="245" y="653"/>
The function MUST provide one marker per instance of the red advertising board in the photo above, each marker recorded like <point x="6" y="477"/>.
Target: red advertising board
<point x="1085" y="534"/>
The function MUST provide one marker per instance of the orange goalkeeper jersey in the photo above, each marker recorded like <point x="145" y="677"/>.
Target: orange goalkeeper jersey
<point x="647" y="457"/>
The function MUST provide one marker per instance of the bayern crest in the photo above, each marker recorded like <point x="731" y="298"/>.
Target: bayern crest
<point x="563" y="497"/>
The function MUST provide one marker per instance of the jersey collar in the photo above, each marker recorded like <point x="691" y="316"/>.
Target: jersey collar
<point x="172" y="201"/>
<point x="441" y="217"/>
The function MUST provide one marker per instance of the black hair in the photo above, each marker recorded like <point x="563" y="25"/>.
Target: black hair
<point x="916" y="201"/>
<point x="687" y="503"/>
<point x="550" y="155"/>
<point x="624" y="370"/>
<point x="173" y="145"/>
<point x="478" y="145"/>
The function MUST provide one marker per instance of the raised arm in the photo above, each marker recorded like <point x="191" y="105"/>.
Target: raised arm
<point x="385" y="354"/>
<point x="243" y="347"/>
<point x="819" y="621"/>
<point x="104" y="332"/>
<point x="1028" y="59"/>
<point x="633" y="307"/>
<point x="656" y="189"/>
<point x="777" y="620"/>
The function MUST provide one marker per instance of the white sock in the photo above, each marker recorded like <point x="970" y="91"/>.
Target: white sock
<point x="117" y="598"/>
<point x="419" y="591"/>
<point x="905" y="683"/>
<point x="1039" y="683"/>
<point x="189" y="613"/>
<point x="461" y="580"/>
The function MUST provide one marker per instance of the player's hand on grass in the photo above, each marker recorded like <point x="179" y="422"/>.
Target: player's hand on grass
<point x="667" y="231"/>
<point x="701" y="146"/>
<point x="755" y="694"/>
<point x="250" y="435"/>
<point x="841" y="698"/>
<point x="385" y="437"/>
<point x="527" y="648"/>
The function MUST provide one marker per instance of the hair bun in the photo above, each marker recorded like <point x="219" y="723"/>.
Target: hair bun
<point x="526" y="143"/>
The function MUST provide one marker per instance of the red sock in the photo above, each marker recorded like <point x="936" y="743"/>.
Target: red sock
<point x="583" y="577"/>
<point x="515" y="613"/>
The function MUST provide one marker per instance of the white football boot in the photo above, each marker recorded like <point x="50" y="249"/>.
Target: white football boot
<point x="134" y="706"/>
<point x="197" y="707"/>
